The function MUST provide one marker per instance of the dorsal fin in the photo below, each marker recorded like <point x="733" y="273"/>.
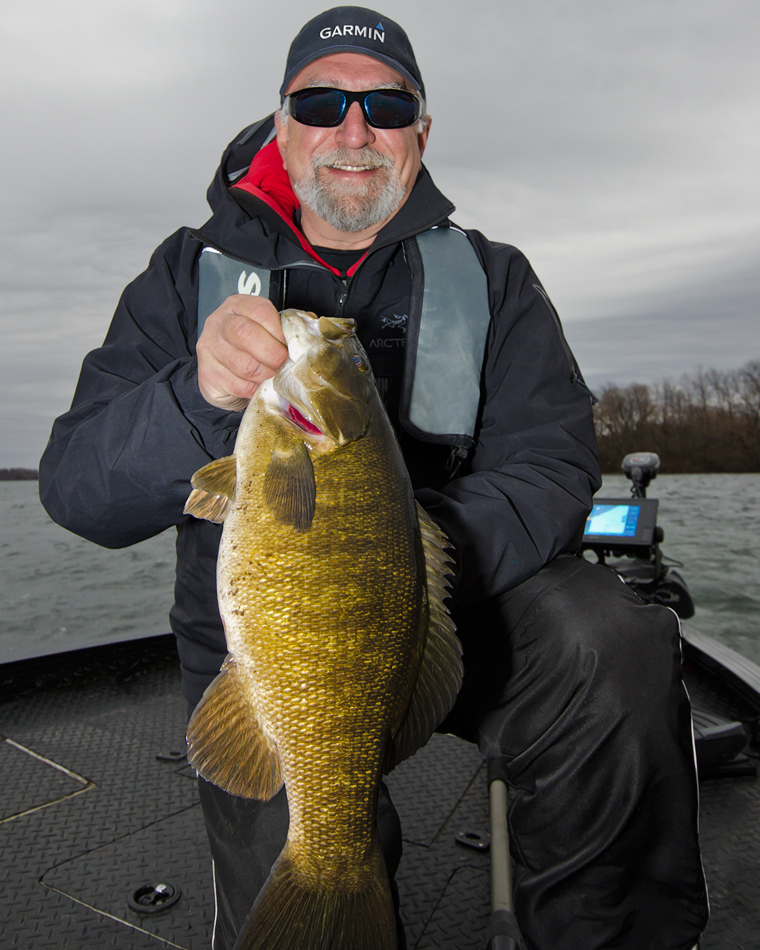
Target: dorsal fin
<point x="440" y="675"/>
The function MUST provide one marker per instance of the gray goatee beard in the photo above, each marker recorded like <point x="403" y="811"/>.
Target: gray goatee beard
<point x="348" y="205"/>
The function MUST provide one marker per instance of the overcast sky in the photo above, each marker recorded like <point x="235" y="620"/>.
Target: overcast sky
<point x="617" y="143"/>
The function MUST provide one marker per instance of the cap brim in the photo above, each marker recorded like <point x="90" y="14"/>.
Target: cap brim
<point x="345" y="48"/>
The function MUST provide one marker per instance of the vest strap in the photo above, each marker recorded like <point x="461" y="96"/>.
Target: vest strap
<point x="451" y="339"/>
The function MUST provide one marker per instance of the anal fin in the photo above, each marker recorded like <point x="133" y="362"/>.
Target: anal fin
<point x="226" y="744"/>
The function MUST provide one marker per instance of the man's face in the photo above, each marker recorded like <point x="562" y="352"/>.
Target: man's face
<point x="352" y="176"/>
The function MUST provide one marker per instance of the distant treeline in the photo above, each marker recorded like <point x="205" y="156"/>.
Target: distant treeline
<point x="18" y="475"/>
<point x="708" y="421"/>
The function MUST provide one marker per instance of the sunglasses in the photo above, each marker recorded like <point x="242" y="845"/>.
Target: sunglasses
<point x="326" y="107"/>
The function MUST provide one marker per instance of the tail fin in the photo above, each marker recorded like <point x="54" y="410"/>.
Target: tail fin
<point x="291" y="914"/>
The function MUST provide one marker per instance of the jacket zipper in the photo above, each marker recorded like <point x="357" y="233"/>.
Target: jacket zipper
<point x="343" y="293"/>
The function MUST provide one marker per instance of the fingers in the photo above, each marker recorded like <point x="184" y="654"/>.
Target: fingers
<point x="241" y="345"/>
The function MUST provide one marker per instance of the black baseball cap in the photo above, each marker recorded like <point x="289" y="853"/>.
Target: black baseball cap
<point x="353" y="30"/>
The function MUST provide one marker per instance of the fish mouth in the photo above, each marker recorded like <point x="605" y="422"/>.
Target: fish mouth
<point x="302" y="422"/>
<point x="301" y="333"/>
<point x="321" y="387"/>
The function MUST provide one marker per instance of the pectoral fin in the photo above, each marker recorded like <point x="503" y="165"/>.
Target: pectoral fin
<point x="226" y="743"/>
<point x="213" y="490"/>
<point x="290" y="491"/>
<point x="440" y="676"/>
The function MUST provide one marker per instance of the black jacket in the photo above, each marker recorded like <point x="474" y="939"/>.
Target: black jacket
<point x="118" y="465"/>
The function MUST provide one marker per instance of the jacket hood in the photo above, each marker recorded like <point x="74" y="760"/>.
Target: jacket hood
<point x="252" y="189"/>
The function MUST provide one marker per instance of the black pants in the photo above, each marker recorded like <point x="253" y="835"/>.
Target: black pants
<point x="577" y="684"/>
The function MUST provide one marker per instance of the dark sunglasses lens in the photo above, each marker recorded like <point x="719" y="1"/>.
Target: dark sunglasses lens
<point x="384" y="108"/>
<point x="321" y="107"/>
<point x="390" y="109"/>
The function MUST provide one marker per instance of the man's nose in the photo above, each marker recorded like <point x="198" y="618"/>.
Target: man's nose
<point x="354" y="131"/>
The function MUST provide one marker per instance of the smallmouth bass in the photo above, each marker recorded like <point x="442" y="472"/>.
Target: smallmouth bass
<point x="342" y="657"/>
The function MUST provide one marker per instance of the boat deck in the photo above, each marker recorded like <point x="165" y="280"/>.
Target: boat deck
<point x="98" y="805"/>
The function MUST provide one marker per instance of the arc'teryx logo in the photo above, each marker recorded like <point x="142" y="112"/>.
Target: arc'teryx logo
<point x="397" y="322"/>
<point x="376" y="33"/>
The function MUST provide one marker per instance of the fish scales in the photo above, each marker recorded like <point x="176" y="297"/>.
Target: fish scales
<point x="325" y="588"/>
<point x="314" y="669"/>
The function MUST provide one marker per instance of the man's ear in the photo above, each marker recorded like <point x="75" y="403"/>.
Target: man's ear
<point x="281" y="127"/>
<point x="422" y="136"/>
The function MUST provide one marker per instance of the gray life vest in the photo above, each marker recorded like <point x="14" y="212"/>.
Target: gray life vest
<point x="447" y="342"/>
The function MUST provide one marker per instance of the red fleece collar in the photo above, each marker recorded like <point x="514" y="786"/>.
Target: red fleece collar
<point x="268" y="181"/>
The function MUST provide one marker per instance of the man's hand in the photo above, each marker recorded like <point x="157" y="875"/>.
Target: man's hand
<point x="241" y="345"/>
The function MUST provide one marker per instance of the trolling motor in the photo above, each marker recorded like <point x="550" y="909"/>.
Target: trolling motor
<point x="641" y="468"/>
<point x="626" y="531"/>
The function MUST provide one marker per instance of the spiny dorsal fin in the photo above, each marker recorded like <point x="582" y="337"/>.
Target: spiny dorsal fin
<point x="213" y="490"/>
<point x="226" y="744"/>
<point x="290" y="491"/>
<point x="440" y="675"/>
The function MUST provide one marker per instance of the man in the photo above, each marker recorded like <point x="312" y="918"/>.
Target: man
<point x="571" y="678"/>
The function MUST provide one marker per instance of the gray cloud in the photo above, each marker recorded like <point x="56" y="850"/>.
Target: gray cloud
<point x="706" y="323"/>
<point x="615" y="143"/>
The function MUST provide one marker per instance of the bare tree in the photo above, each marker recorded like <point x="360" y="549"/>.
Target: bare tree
<point x="706" y="422"/>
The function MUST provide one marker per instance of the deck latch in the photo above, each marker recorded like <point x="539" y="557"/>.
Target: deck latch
<point x="154" y="898"/>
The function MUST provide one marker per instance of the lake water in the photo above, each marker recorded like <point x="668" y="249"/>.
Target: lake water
<point x="59" y="592"/>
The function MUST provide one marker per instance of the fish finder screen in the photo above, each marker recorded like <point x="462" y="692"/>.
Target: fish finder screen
<point x="618" y="521"/>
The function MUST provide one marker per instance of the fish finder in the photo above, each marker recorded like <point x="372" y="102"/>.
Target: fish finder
<point x="627" y="527"/>
<point x="621" y="524"/>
